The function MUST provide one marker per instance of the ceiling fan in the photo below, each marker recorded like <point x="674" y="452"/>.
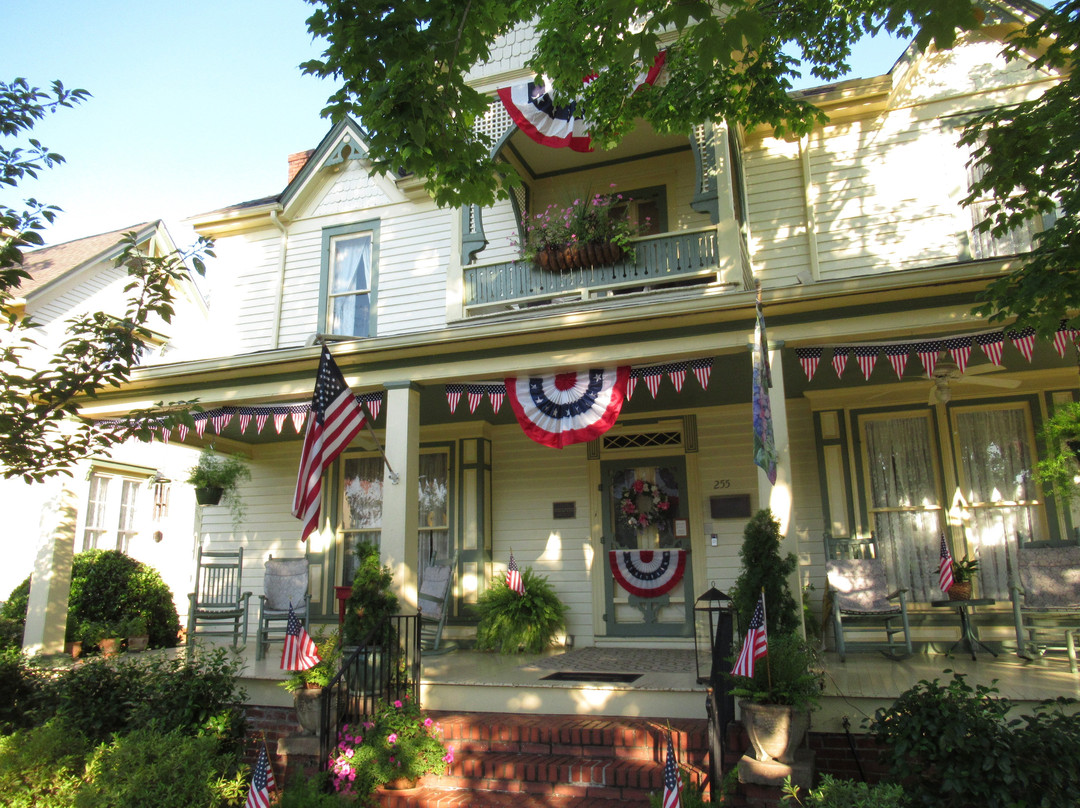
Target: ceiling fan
<point x="947" y="373"/>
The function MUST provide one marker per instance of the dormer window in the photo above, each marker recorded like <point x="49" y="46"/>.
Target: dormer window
<point x="350" y="256"/>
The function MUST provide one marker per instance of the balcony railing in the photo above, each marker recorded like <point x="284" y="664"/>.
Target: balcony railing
<point x="654" y="262"/>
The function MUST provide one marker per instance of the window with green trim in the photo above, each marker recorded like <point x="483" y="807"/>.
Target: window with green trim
<point x="350" y="261"/>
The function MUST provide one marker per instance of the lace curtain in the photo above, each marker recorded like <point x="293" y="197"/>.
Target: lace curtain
<point x="350" y="285"/>
<point x="905" y="506"/>
<point x="995" y="466"/>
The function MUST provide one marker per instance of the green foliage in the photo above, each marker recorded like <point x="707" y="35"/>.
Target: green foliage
<point x="304" y="791"/>
<point x="791" y="673"/>
<point x="401" y="69"/>
<point x="954" y="745"/>
<point x="225" y="472"/>
<point x="399" y="743"/>
<point x="372" y="599"/>
<point x="762" y="566"/>
<point x="510" y="622"/>
<point x="20" y="685"/>
<point x="1026" y="155"/>
<point x="323" y="671"/>
<point x="1059" y="468"/>
<point x="690" y="797"/>
<point x="17" y="602"/>
<point x="11" y="633"/>
<point x="964" y="569"/>
<point x="595" y="219"/>
<point x="148" y="768"/>
<point x="834" y="793"/>
<point x="42" y="767"/>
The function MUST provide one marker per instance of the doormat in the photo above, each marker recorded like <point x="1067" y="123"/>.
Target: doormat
<point x="607" y="678"/>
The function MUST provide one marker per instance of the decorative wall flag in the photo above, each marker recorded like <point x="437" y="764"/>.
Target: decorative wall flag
<point x="514" y="581"/>
<point x="1024" y="340"/>
<point x="336" y="418"/>
<point x="809" y="359"/>
<point x="959" y="349"/>
<point x="262" y="782"/>
<point x="672" y="782"/>
<point x="756" y="643"/>
<point x="299" y="653"/>
<point x="564" y="408"/>
<point x="532" y="108"/>
<point x="764" y="444"/>
<point x="647" y="573"/>
<point x="945" y="576"/>
<point x="897" y="356"/>
<point x="866" y="357"/>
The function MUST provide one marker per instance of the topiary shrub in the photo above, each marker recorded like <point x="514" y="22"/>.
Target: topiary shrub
<point x="371" y="599"/>
<point x="110" y="587"/>
<point x="763" y="566"/>
<point x="510" y="622"/>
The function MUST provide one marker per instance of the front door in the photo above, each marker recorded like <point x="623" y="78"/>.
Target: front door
<point x="648" y="583"/>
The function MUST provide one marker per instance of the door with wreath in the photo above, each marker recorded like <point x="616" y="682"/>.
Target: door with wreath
<point x="648" y="585"/>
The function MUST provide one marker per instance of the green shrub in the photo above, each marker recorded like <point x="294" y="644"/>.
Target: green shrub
<point x="20" y="687"/>
<point x="691" y="795"/>
<point x="152" y="769"/>
<point x="763" y="566"/>
<point x="509" y="621"/>
<point x="310" y="792"/>
<point x="372" y="598"/>
<point x="955" y="746"/>
<point x="791" y="674"/>
<point x="42" y="767"/>
<point x="109" y="587"/>
<point x="97" y="697"/>
<point x="833" y="793"/>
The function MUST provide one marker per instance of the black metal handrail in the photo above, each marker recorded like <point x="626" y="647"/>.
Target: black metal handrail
<point x="383" y="669"/>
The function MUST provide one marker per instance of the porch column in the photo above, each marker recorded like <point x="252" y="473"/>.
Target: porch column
<point x="50" y="584"/>
<point x="778" y="497"/>
<point x="399" y="517"/>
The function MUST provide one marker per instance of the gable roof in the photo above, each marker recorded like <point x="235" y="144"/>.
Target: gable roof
<point x="47" y="264"/>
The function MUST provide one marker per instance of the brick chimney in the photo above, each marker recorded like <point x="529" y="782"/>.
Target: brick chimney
<point x="297" y="162"/>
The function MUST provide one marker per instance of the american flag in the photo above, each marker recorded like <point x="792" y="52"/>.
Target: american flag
<point x="513" y="576"/>
<point x="672" y="784"/>
<point x="336" y="418"/>
<point x="756" y="644"/>
<point x="299" y="652"/>
<point x="945" y="579"/>
<point x="262" y="783"/>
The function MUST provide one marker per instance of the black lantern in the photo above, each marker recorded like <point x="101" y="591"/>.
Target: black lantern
<point x="714" y="632"/>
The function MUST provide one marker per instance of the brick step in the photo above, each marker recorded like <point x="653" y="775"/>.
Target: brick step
<point x="443" y="798"/>
<point x="582" y="736"/>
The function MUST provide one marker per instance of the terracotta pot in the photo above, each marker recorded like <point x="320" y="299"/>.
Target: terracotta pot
<point x="208" y="496"/>
<point x="137" y="644"/>
<point x="399" y="784"/>
<point x="960" y="591"/>
<point x="775" y="730"/>
<point x="110" y="646"/>
<point x="74" y="648"/>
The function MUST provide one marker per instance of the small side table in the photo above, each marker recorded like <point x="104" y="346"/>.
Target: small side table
<point x="967" y="634"/>
<point x="342" y="594"/>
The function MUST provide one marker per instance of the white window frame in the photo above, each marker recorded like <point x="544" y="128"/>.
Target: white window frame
<point x="332" y="237"/>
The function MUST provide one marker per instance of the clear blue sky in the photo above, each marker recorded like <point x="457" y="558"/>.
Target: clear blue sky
<point x="196" y="104"/>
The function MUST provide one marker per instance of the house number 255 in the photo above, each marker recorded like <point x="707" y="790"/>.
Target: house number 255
<point x="718" y="484"/>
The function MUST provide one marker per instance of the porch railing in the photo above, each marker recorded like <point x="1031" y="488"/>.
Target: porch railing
<point x="653" y="262"/>
<point x="376" y="670"/>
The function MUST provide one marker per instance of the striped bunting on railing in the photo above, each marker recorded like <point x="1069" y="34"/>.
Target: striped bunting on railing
<point x="959" y="349"/>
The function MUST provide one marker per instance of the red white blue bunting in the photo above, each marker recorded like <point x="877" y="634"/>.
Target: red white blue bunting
<point x="560" y="409"/>
<point x="647" y="573"/>
<point x="958" y="348"/>
<point x="532" y="108"/>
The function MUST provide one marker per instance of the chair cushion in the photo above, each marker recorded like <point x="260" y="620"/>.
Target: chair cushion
<point x="285" y="582"/>
<point x="1050" y="577"/>
<point x="860" y="586"/>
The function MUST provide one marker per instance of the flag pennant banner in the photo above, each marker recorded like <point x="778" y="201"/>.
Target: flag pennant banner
<point x="564" y="408"/>
<point x="765" y="454"/>
<point x="1064" y="337"/>
<point x="514" y="581"/>
<point x="959" y="349"/>
<point x="243" y="420"/>
<point x="373" y="403"/>
<point x="945" y="576"/>
<point x="165" y="433"/>
<point x="991" y="345"/>
<point x="839" y="361"/>
<point x="647" y="573"/>
<point x="676" y="371"/>
<point x="1024" y="340"/>
<point x="928" y="353"/>
<point x="298" y="420"/>
<point x="279" y="421"/>
<point x="631" y="385"/>
<point x="453" y="395"/>
<point x="755" y="644"/>
<point x="300" y="652"/>
<point x="866" y="357"/>
<point x="182" y="431"/>
<point x="475" y="394"/>
<point x="200" y="425"/>
<point x="808" y="360"/>
<point x="260" y="421"/>
<point x="702" y="369"/>
<point x="220" y="421"/>
<point x="262" y="782"/>
<point x="336" y="418"/>
<point x="898" y="357"/>
<point x="672" y="781"/>
<point x="496" y="394"/>
<point x="653" y="377"/>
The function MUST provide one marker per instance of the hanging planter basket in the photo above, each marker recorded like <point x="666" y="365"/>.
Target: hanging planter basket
<point x="960" y="591"/>
<point x="561" y="259"/>
<point x="209" y="496"/>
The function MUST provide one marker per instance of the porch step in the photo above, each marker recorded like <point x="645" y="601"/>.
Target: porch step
<point x="554" y="761"/>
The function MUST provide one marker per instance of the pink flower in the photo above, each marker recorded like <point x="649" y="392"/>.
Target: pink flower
<point x="663" y="504"/>
<point x="349" y="753"/>
<point x="397" y="703"/>
<point x="638" y="486"/>
<point x="393" y="738"/>
<point x="449" y="756"/>
<point x="428" y="722"/>
<point x="643" y="519"/>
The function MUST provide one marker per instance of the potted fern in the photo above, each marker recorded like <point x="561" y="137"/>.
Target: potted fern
<point x="510" y="622"/>
<point x="217" y="477"/>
